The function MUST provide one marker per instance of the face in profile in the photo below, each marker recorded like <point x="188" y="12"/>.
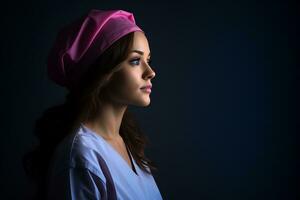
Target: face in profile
<point x="126" y="86"/>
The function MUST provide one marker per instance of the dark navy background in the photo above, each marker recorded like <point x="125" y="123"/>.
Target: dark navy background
<point x="223" y="120"/>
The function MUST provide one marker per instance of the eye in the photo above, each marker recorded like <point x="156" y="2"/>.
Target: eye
<point x="136" y="61"/>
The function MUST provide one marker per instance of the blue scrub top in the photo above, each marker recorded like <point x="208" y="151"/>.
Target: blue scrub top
<point x="86" y="166"/>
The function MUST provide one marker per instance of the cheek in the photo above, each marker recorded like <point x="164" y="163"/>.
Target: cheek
<point x="129" y="85"/>
<point x="126" y="83"/>
<point x="130" y="78"/>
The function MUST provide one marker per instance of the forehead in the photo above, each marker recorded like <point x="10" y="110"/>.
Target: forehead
<point x="140" y="43"/>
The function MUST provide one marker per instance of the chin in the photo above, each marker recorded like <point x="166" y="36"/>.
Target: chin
<point x="147" y="104"/>
<point x="142" y="103"/>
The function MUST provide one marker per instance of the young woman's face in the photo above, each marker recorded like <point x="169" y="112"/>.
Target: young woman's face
<point x="135" y="73"/>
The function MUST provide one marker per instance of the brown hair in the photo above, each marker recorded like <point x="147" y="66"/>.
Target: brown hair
<point x="81" y="104"/>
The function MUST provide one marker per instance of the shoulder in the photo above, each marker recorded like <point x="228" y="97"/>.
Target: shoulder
<point x="86" y="152"/>
<point x="79" y="150"/>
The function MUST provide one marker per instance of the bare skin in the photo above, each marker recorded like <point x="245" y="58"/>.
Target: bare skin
<point x="125" y="89"/>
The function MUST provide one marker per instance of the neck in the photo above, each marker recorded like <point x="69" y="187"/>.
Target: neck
<point x="107" y="123"/>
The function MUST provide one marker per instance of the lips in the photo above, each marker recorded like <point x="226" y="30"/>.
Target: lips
<point x="147" y="87"/>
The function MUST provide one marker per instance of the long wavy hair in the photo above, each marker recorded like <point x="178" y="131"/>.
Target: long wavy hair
<point x="83" y="104"/>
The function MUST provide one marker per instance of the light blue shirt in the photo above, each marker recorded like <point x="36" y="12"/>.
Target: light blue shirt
<point x="85" y="166"/>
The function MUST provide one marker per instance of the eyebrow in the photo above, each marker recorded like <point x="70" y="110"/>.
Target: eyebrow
<point x="140" y="52"/>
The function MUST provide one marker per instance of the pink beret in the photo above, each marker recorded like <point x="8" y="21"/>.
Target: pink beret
<point x="78" y="44"/>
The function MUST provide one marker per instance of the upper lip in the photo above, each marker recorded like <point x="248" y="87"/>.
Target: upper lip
<point x="147" y="86"/>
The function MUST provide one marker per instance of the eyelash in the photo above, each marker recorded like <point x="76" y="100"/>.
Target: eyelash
<point x="137" y="59"/>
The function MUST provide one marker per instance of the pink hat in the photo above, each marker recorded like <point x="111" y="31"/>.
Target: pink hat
<point x="79" y="44"/>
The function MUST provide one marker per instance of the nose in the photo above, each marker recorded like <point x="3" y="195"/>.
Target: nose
<point x="149" y="72"/>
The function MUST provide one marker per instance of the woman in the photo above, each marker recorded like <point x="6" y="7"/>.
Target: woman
<point x="90" y="147"/>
